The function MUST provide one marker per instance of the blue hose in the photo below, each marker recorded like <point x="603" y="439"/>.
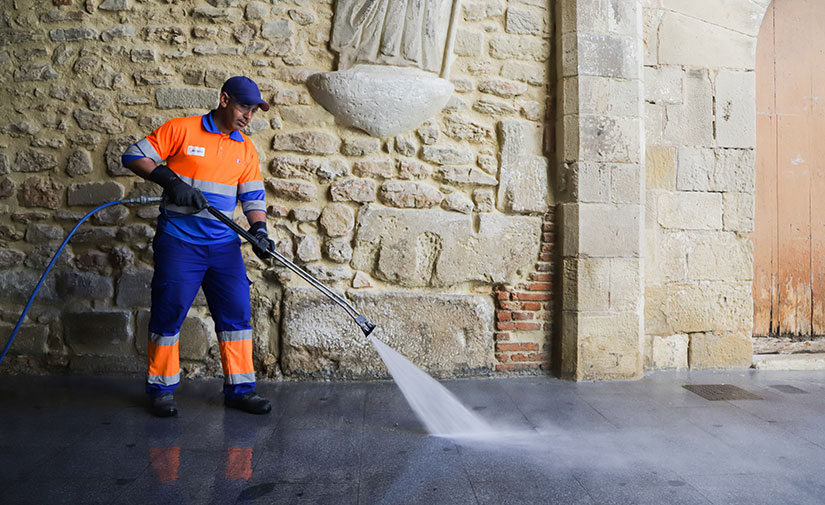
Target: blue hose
<point x="139" y="200"/>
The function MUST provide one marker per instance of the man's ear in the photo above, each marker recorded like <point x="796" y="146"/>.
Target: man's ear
<point x="224" y="100"/>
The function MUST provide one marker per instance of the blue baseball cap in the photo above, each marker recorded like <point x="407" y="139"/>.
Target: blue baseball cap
<point x="245" y="91"/>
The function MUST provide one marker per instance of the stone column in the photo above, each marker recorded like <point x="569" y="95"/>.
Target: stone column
<point x="601" y="178"/>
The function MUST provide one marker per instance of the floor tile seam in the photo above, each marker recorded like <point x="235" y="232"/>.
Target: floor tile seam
<point x="532" y="425"/>
<point x="597" y="411"/>
<point x="779" y="425"/>
<point x="466" y="472"/>
<point x="586" y="491"/>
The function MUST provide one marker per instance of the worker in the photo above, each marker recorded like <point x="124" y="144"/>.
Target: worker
<point x="209" y="161"/>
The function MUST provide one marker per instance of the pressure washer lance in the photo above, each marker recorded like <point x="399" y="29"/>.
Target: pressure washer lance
<point x="362" y="322"/>
<point x="140" y="200"/>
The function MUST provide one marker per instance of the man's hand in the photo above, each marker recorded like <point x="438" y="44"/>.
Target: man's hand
<point x="180" y="193"/>
<point x="262" y="241"/>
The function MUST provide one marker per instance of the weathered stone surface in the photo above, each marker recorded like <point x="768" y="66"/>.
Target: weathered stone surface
<point x="458" y="202"/>
<point x="463" y="128"/>
<point x="80" y="163"/>
<point x="305" y="214"/>
<point x="485" y="200"/>
<point x="186" y="98"/>
<point x="135" y="233"/>
<point x="523" y="174"/>
<point x="37" y="233"/>
<point x="438" y="248"/>
<point x="118" y="32"/>
<point x="464" y="175"/>
<point x="84" y="285"/>
<point x="428" y="134"/>
<point x="690" y="211"/>
<point x="134" y="288"/>
<point x="525" y="20"/>
<point x="115" y="5"/>
<point x="337" y="219"/>
<point x="30" y="339"/>
<point x="353" y="190"/>
<point x="94" y="193"/>
<point x="339" y="250"/>
<point x="494" y="107"/>
<point x="660" y="167"/>
<point x="73" y="34"/>
<point x="361" y="280"/>
<point x="722" y="257"/>
<point x="30" y="160"/>
<point x="737" y="212"/>
<point x="37" y="192"/>
<point x="292" y="190"/>
<point x="328" y="275"/>
<point x="289" y="166"/>
<point x="423" y="327"/>
<point x="468" y="43"/>
<point x="360" y="146"/>
<point x="35" y="72"/>
<point x="667" y="352"/>
<point x="502" y="88"/>
<point x="111" y="216"/>
<point x="16" y="286"/>
<point x="380" y="99"/>
<point x="514" y="47"/>
<point x="709" y="306"/>
<point x="684" y="40"/>
<point x="104" y="123"/>
<point x="4" y="164"/>
<point x="381" y="168"/>
<point x="306" y="142"/>
<point x="93" y="236"/>
<point x="413" y="169"/>
<point x="307" y="248"/>
<point x="409" y="195"/>
<point x="10" y="258"/>
<point x="691" y="122"/>
<point x="447" y="155"/>
<point x="104" y="333"/>
<point x="6" y="188"/>
<point x="331" y="169"/>
<point x="405" y="145"/>
<point x="721" y="350"/>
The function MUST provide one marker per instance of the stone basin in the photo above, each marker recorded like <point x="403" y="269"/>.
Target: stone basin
<point x="379" y="99"/>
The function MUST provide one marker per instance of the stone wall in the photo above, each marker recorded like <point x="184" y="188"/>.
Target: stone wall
<point x="700" y="126"/>
<point x="440" y="215"/>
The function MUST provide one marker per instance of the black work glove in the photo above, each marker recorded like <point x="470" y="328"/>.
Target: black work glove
<point x="179" y="193"/>
<point x="262" y="241"/>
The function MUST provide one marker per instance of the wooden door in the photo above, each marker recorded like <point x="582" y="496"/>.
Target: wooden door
<point x="789" y="223"/>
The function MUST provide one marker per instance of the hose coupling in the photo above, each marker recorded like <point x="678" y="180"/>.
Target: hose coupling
<point x="141" y="200"/>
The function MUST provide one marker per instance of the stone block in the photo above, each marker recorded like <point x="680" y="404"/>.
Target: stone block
<point x="292" y="190"/>
<point x="531" y="73"/>
<point x="438" y="248"/>
<point x="720" y="257"/>
<point x="409" y="195"/>
<point x="99" y="122"/>
<point x="307" y="248"/>
<point x="690" y="211"/>
<point x="382" y="168"/>
<point x="134" y="288"/>
<point x="458" y="202"/>
<point x="446" y="335"/>
<point x="667" y="352"/>
<point x="591" y="182"/>
<point x="608" y="56"/>
<point x="595" y="95"/>
<point x="339" y="250"/>
<point x="515" y="47"/>
<point x="660" y="167"/>
<point x="738" y="15"/>
<point x="38" y="233"/>
<point x="585" y="284"/>
<point x="696" y="169"/>
<point x="197" y="334"/>
<point x="10" y="258"/>
<point x="655" y="321"/>
<point x="305" y="214"/>
<point x="94" y="193"/>
<point x="607" y="345"/>
<point x="464" y="175"/>
<point x="610" y="139"/>
<point x="17" y="285"/>
<point x="309" y="142"/>
<point x="461" y="127"/>
<point x="31" y="340"/>
<point x="525" y="20"/>
<point x="625" y="284"/>
<point x="663" y="84"/>
<point x="186" y="98"/>
<point x="30" y="160"/>
<point x="337" y="219"/>
<point x="484" y="200"/>
<point x="360" y="146"/>
<point x="80" y="163"/>
<point x="84" y="285"/>
<point x="6" y="188"/>
<point x="691" y="122"/>
<point x="468" y="43"/>
<point x="737" y="212"/>
<point x="734" y="171"/>
<point x="612" y="230"/>
<point x="654" y="124"/>
<point x="724" y="349"/>
<point x="447" y="155"/>
<point x="353" y="190"/>
<point x="709" y="306"/>
<point x="523" y="174"/>
<point x="691" y="42"/>
<point x="103" y="333"/>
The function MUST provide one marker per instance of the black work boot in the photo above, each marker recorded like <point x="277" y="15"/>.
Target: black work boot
<point x="164" y="405"/>
<point x="249" y="402"/>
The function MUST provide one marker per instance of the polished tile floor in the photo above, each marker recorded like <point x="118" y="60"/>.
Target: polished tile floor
<point x="88" y="440"/>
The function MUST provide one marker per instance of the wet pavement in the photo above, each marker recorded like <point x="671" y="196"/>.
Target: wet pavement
<point x="91" y="440"/>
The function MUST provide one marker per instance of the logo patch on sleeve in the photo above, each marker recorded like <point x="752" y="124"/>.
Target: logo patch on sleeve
<point x="195" y="151"/>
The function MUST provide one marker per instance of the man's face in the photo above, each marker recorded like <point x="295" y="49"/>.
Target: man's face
<point x="236" y="115"/>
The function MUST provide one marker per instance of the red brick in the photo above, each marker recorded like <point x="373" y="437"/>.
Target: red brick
<point x="522" y="316"/>
<point x="544" y="267"/>
<point x="502" y="358"/>
<point x="502" y="295"/>
<point x="505" y="325"/>
<point x="527" y="326"/>
<point x="531" y="306"/>
<point x="509" y="305"/>
<point x="547" y="227"/>
<point x="500" y="336"/>
<point x="503" y="316"/>
<point x="517" y="346"/>
<point x="541" y="277"/>
<point x="547" y="237"/>
<point x="540" y="286"/>
<point x="526" y="357"/>
<point x="546" y="256"/>
<point x="536" y="297"/>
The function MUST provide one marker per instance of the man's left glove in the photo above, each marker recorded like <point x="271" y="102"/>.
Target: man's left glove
<point x="262" y="241"/>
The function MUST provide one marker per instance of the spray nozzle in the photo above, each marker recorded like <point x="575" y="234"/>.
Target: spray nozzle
<point x="365" y="324"/>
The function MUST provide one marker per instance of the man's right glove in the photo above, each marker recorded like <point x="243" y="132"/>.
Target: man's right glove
<point x="262" y="241"/>
<point x="180" y="193"/>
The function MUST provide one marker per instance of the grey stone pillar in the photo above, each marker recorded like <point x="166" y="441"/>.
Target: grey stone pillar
<point x="601" y="180"/>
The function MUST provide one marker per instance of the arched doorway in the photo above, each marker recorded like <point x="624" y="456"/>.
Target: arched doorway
<point x="789" y="221"/>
